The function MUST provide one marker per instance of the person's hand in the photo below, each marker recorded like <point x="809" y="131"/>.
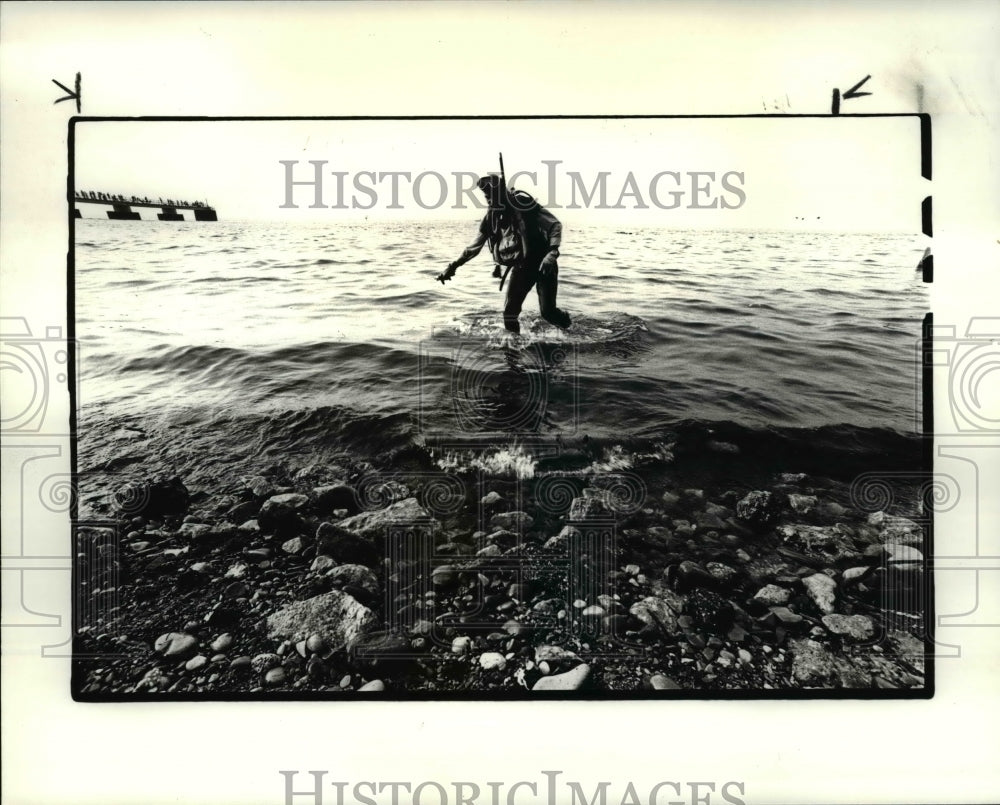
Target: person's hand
<point x="447" y="274"/>
<point x="548" y="266"/>
<point x="497" y="272"/>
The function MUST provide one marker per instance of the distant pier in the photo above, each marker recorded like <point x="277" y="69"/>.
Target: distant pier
<point x="122" y="207"/>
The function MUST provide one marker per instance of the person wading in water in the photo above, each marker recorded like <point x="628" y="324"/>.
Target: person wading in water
<point x="524" y="237"/>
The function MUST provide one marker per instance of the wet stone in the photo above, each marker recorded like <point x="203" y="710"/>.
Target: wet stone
<point x="194" y="531"/>
<point x="444" y="576"/>
<point x="176" y="644"/>
<point x="264" y="662"/>
<point x="758" y="509"/>
<point x="338" y="617"/>
<point x="355" y="576"/>
<point x="492" y="661"/>
<point x="851" y="676"/>
<point x="512" y="521"/>
<point x="554" y="655"/>
<point x="661" y="682"/>
<point x="773" y="595"/>
<point x="856" y="627"/>
<point x="812" y="663"/>
<point x="276" y="676"/>
<point x="802" y="504"/>
<point x="820" y="588"/>
<point x="294" y="545"/>
<point x="334" y="496"/>
<point x="321" y="564"/>
<point x="199" y="661"/>
<point x="591" y="506"/>
<point x="519" y="592"/>
<point x="654" y="611"/>
<point x="721" y="572"/>
<point x="569" y="680"/>
<point x="904" y="557"/>
<point x="785" y="615"/>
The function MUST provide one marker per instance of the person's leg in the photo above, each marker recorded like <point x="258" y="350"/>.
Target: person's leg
<point x="547" y="288"/>
<point x="519" y="282"/>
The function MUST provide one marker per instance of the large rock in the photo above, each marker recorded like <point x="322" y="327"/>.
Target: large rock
<point x="562" y="540"/>
<point x="176" y="645"/>
<point x="280" y="513"/>
<point x="655" y="611"/>
<point x="339" y="618"/>
<point x="345" y="546"/>
<point x="759" y="509"/>
<point x="896" y="529"/>
<point x="258" y="486"/>
<point x="688" y="575"/>
<point x="661" y="682"/>
<point x="153" y="498"/>
<point x="856" y="627"/>
<point x="334" y="496"/>
<point x="832" y="543"/>
<point x="904" y="558"/>
<point x="571" y="680"/>
<point x="355" y="576"/>
<point x="502" y="538"/>
<point x="821" y="589"/>
<point x="317" y="474"/>
<point x="195" y="531"/>
<point x="709" y="521"/>
<point x="555" y="655"/>
<point x="671" y="501"/>
<point x="812" y="665"/>
<point x="492" y="661"/>
<point x="375" y="524"/>
<point x="908" y="648"/>
<point x="802" y="504"/>
<point x="851" y="675"/>
<point x="903" y="531"/>
<point x="773" y="595"/>
<point x="517" y="521"/>
<point x="592" y="506"/>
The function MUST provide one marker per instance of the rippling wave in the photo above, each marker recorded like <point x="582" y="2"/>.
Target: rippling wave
<point x="301" y="338"/>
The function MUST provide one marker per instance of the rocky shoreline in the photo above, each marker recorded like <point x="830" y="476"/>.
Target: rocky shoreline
<point x="336" y="579"/>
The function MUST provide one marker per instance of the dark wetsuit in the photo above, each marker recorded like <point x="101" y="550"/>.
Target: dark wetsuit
<point x="543" y="234"/>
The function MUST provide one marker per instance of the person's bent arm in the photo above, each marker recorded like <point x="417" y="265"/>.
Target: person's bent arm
<point x="552" y="229"/>
<point x="468" y="253"/>
<point x="471" y="250"/>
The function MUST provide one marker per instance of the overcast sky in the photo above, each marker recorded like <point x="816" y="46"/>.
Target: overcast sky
<point x="827" y="174"/>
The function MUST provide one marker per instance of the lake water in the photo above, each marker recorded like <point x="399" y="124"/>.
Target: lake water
<point x="207" y="345"/>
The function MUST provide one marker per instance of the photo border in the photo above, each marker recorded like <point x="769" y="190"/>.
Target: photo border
<point x="925" y="471"/>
